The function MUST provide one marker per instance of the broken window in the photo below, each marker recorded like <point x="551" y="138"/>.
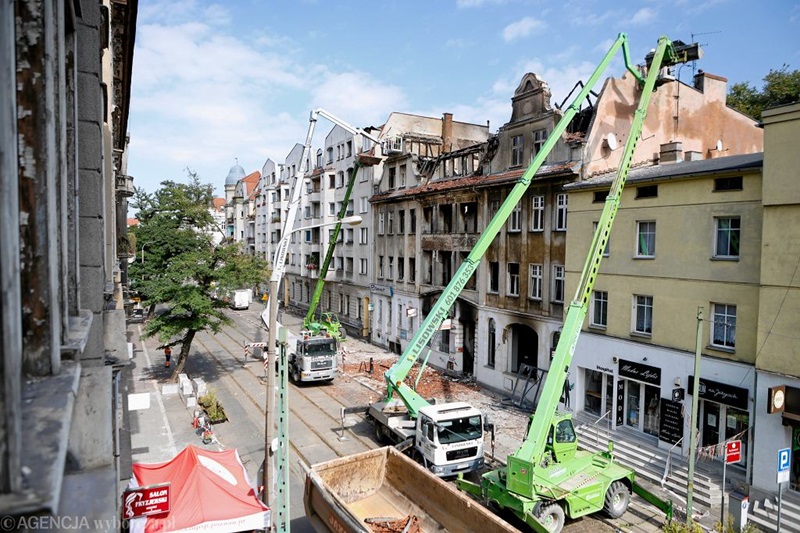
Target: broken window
<point x="446" y="262"/>
<point x="412" y="220"/>
<point x="427" y="215"/>
<point x="412" y="269"/>
<point x="516" y="150"/>
<point x="392" y="174"/>
<point x="494" y="277"/>
<point x="470" y="284"/>
<point x="445" y="218"/>
<point x="469" y="217"/>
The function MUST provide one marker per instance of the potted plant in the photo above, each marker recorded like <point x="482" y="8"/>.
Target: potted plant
<point x="212" y="407"/>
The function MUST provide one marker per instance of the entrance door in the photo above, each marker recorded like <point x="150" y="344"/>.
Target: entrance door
<point x="710" y="423"/>
<point x="633" y="403"/>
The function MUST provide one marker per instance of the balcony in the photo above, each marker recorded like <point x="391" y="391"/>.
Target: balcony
<point x="124" y="186"/>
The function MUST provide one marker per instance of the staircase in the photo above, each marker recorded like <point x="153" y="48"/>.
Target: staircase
<point x="649" y="462"/>
<point x="763" y="512"/>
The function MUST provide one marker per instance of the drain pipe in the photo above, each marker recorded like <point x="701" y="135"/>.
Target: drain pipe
<point x="695" y="406"/>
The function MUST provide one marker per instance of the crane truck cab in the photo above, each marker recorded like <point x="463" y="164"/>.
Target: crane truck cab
<point x="447" y="438"/>
<point x="314" y="357"/>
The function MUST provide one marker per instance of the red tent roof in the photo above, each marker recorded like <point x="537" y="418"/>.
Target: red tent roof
<point x="209" y="491"/>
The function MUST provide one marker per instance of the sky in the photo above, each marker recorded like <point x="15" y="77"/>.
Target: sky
<point x="220" y="83"/>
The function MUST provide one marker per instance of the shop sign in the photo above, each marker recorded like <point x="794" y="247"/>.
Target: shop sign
<point x="670" y="422"/>
<point x="385" y="290"/>
<point x="620" y="402"/>
<point x="720" y="393"/>
<point x="733" y="452"/>
<point x="640" y="372"/>
<point x="145" y="501"/>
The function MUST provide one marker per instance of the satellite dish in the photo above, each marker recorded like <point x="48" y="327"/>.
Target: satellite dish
<point x="611" y="141"/>
<point x="719" y="145"/>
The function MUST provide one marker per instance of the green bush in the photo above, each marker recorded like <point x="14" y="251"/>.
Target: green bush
<point x="212" y="406"/>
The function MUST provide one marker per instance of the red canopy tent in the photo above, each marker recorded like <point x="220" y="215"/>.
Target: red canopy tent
<point x="209" y="492"/>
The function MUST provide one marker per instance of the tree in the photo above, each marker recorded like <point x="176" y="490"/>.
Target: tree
<point x="180" y="269"/>
<point x="780" y="87"/>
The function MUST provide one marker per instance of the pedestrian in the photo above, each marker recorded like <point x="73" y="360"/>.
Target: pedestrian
<point x="167" y="355"/>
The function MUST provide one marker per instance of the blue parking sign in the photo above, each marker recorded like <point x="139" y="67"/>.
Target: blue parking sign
<point x="784" y="459"/>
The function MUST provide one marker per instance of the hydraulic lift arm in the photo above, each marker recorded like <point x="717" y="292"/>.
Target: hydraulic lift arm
<point x="666" y="54"/>
<point x="312" y="308"/>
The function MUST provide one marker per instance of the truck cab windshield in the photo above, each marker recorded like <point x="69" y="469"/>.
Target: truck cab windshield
<point x="459" y="429"/>
<point x="326" y="348"/>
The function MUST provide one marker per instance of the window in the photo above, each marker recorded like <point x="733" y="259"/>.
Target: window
<point x="444" y="341"/>
<point x="512" y="288"/>
<point x="728" y="184"/>
<point x="363" y="204"/>
<point x="340" y="263"/>
<point x="331" y="181"/>
<point x="646" y="239"/>
<point x="644" y="314"/>
<point x="539" y="138"/>
<point x="349" y="265"/>
<point x="339" y="179"/>
<point x="391" y="268"/>
<point x="401" y="268"/>
<point x="647" y="191"/>
<point x="330" y="155"/>
<point x="363" y="235"/>
<point x="723" y="329"/>
<point x="380" y="266"/>
<point x="516" y="150"/>
<point x="599" y="309"/>
<point x="491" y="341"/>
<point x="412" y="269"/>
<point x="537" y="213"/>
<point x="494" y="277"/>
<point x="332" y="208"/>
<point x="600" y="196"/>
<point x="494" y="207"/>
<point x="380" y="223"/>
<point x="561" y="212"/>
<point x="607" y="251"/>
<point x="412" y="220"/>
<point x="558" y="283"/>
<point x="348" y="236"/>
<point x="392" y="174"/>
<point x="401" y="221"/>
<point x="349" y="148"/>
<point x="535" y="285"/>
<point x="515" y="220"/>
<point x="727" y="233"/>
<point x="362" y="267"/>
<point x="391" y="223"/>
<point x="402" y="170"/>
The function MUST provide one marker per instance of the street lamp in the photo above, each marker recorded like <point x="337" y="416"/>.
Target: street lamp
<point x="142" y="254"/>
<point x="278" y="268"/>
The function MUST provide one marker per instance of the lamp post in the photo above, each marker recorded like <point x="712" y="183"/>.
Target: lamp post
<point x="271" y="445"/>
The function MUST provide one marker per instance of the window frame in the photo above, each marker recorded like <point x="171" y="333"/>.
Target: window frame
<point x="512" y="280"/>
<point x="599" y="305"/>
<point x="730" y="232"/>
<point x="493" y="283"/>
<point x="640" y="232"/>
<point x="560" y="212"/>
<point x="641" y="304"/>
<point x="515" y="219"/>
<point x="517" y="149"/>
<point x="723" y="310"/>
<point x="537" y="213"/>
<point x="535" y="281"/>
<point x="558" y="284"/>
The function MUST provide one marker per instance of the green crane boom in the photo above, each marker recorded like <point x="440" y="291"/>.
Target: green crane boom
<point x="396" y="375"/>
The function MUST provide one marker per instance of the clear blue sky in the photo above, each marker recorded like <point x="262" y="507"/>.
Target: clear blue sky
<point x="217" y="82"/>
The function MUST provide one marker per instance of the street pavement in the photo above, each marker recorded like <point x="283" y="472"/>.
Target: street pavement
<point x="160" y="425"/>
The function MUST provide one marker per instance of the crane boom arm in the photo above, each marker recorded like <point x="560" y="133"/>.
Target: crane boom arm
<point x="396" y="375"/>
<point x="536" y="440"/>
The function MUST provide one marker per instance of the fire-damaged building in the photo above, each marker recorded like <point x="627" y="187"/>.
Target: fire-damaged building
<point x="506" y="322"/>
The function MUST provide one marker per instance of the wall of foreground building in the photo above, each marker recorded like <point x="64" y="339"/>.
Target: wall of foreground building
<point x="65" y="70"/>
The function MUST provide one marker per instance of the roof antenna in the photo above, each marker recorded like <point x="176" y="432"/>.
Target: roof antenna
<point x="694" y="63"/>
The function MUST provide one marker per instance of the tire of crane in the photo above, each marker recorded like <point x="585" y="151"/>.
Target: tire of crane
<point x="552" y="517"/>
<point x="618" y="496"/>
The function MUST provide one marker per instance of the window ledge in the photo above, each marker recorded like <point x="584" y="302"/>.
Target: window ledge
<point x="723" y="349"/>
<point x="47" y="404"/>
<point x="730" y="259"/>
<point x="641" y="335"/>
<point x="597" y="327"/>
<point x="643" y="257"/>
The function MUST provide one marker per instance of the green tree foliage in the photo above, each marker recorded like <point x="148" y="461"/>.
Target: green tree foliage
<point x="780" y="87"/>
<point x="179" y="268"/>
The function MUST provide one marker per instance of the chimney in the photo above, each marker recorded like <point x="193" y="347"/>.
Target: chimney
<point x="447" y="132"/>
<point x="713" y="87"/>
<point x="671" y="153"/>
<point x="692" y="155"/>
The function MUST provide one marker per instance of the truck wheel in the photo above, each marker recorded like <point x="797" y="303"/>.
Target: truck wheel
<point x="552" y="517"/>
<point x="617" y="499"/>
<point x="380" y="434"/>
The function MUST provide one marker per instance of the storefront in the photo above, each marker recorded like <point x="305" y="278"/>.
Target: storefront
<point x="722" y="416"/>
<point x="640" y="387"/>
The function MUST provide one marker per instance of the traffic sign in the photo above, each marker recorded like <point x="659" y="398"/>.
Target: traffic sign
<point x="733" y="451"/>
<point x="784" y="461"/>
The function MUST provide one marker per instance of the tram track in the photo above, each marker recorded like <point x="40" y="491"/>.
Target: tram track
<point x="245" y="386"/>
